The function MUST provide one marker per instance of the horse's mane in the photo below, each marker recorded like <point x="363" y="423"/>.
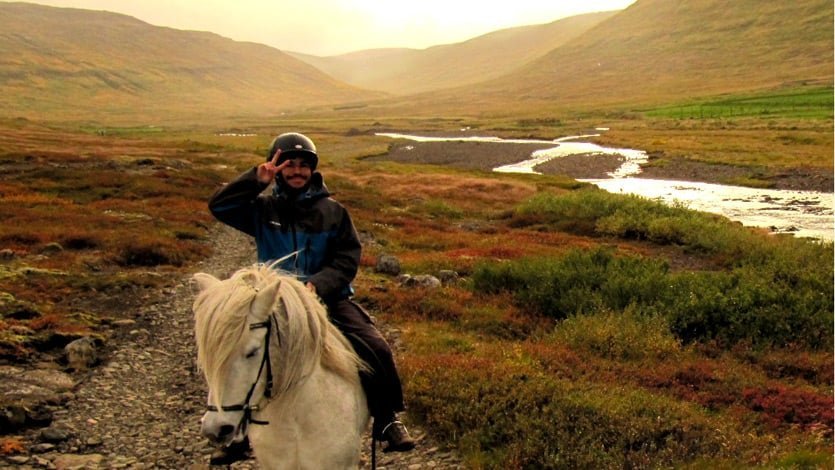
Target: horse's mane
<point x="306" y="335"/>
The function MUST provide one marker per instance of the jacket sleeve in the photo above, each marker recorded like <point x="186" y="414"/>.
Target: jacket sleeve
<point x="341" y="263"/>
<point x="234" y="204"/>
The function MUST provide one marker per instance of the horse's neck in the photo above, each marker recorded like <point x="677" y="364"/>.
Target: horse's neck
<point x="315" y="419"/>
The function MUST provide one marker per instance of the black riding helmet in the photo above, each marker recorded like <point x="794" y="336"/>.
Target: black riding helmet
<point x="294" y="145"/>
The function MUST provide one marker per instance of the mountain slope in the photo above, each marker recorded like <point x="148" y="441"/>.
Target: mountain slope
<point x="98" y="61"/>
<point x="661" y="50"/>
<point x="407" y="71"/>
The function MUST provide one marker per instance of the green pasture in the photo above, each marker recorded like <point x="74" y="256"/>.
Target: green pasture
<point x="796" y="103"/>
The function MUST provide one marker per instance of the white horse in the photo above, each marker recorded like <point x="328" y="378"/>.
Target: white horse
<point x="272" y="359"/>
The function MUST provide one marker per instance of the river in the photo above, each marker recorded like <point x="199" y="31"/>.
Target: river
<point x="802" y="213"/>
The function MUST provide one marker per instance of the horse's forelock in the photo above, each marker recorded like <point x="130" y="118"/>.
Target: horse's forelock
<point x="307" y="336"/>
<point x="220" y="314"/>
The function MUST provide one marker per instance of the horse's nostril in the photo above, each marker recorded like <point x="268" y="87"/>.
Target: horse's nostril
<point x="225" y="430"/>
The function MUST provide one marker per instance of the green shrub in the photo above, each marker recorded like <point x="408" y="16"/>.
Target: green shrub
<point x="598" y="212"/>
<point x="615" y="335"/>
<point x="750" y="304"/>
<point x="580" y="282"/>
<point x="772" y="302"/>
<point x="507" y="416"/>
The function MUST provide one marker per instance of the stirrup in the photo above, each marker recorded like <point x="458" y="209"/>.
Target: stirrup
<point x="401" y="441"/>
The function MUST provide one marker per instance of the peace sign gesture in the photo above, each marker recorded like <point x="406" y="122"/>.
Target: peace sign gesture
<point x="266" y="171"/>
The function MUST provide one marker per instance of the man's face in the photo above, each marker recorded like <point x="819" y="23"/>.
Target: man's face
<point x="297" y="173"/>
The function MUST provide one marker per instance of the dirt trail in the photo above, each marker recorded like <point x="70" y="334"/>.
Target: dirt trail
<point x="141" y="408"/>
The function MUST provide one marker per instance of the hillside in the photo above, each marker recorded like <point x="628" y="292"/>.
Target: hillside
<point x="70" y="63"/>
<point x="407" y="71"/>
<point x="660" y="51"/>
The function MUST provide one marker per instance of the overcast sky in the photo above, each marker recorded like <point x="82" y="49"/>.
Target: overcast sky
<point x="329" y="27"/>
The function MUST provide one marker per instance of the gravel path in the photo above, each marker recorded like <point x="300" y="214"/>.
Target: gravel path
<point x="141" y="408"/>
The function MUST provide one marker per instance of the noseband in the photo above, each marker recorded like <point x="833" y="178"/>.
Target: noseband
<point x="268" y="390"/>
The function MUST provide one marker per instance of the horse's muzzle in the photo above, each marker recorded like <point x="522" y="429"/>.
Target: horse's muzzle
<point x="219" y="431"/>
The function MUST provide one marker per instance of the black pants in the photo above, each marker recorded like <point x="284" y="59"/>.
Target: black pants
<point x="382" y="385"/>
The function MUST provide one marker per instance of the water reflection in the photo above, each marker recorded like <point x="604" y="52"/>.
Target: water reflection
<point x="804" y="213"/>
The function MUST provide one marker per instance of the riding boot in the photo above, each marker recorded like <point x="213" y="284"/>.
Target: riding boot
<point x="393" y="433"/>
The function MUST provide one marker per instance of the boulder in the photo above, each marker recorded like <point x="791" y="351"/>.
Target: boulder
<point x="81" y="353"/>
<point x="387" y="264"/>
<point x="27" y="397"/>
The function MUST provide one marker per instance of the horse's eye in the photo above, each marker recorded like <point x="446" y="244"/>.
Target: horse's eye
<point x="252" y="353"/>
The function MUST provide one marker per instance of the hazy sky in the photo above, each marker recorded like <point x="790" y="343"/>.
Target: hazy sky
<point x="327" y="27"/>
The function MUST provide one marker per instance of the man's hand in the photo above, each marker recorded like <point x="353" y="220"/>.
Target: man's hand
<point x="266" y="171"/>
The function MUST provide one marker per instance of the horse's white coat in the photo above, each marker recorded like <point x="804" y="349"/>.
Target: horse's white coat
<point x="318" y="412"/>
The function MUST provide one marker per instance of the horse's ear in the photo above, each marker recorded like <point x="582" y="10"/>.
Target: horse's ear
<point x="265" y="298"/>
<point x="204" y="281"/>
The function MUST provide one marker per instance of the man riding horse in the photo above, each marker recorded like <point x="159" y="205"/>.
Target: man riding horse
<point x="299" y="221"/>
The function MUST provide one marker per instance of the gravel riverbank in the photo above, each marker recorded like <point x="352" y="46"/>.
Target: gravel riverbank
<point x="488" y="155"/>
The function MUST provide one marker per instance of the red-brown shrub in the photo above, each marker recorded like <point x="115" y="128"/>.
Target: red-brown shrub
<point x="782" y="405"/>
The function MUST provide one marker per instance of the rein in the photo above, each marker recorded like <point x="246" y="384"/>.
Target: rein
<point x="248" y="409"/>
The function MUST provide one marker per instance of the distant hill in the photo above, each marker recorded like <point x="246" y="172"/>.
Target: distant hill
<point x="666" y="50"/>
<point x="71" y="63"/>
<point x="64" y="64"/>
<point x="407" y="71"/>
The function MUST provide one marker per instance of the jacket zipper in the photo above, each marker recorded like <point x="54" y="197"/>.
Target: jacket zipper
<point x="307" y="257"/>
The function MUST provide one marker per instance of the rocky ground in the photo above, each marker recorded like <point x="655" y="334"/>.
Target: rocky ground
<point x="141" y="407"/>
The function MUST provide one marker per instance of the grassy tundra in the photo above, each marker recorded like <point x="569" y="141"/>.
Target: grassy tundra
<point x="588" y="330"/>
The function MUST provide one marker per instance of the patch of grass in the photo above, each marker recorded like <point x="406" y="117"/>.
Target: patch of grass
<point x="441" y="209"/>
<point x="797" y="103"/>
<point x="750" y="182"/>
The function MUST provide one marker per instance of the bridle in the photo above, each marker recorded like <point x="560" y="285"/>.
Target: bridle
<point x="248" y="409"/>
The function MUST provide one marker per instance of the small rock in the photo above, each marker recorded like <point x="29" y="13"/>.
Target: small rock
<point x="42" y="448"/>
<point x="12" y="417"/>
<point x="52" y="248"/>
<point x="387" y="264"/>
<point x="81" y="353"/>
<point x="447" y="276"/>
<point x="42" y="462"/>
<point x="423" y="280"/>
<point x="7" y="255"/>
<point x="54" y="435"/>
<point x="67" y="461"/>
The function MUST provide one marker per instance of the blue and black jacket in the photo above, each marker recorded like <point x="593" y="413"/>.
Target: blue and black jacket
<point x="310" y="224"/>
